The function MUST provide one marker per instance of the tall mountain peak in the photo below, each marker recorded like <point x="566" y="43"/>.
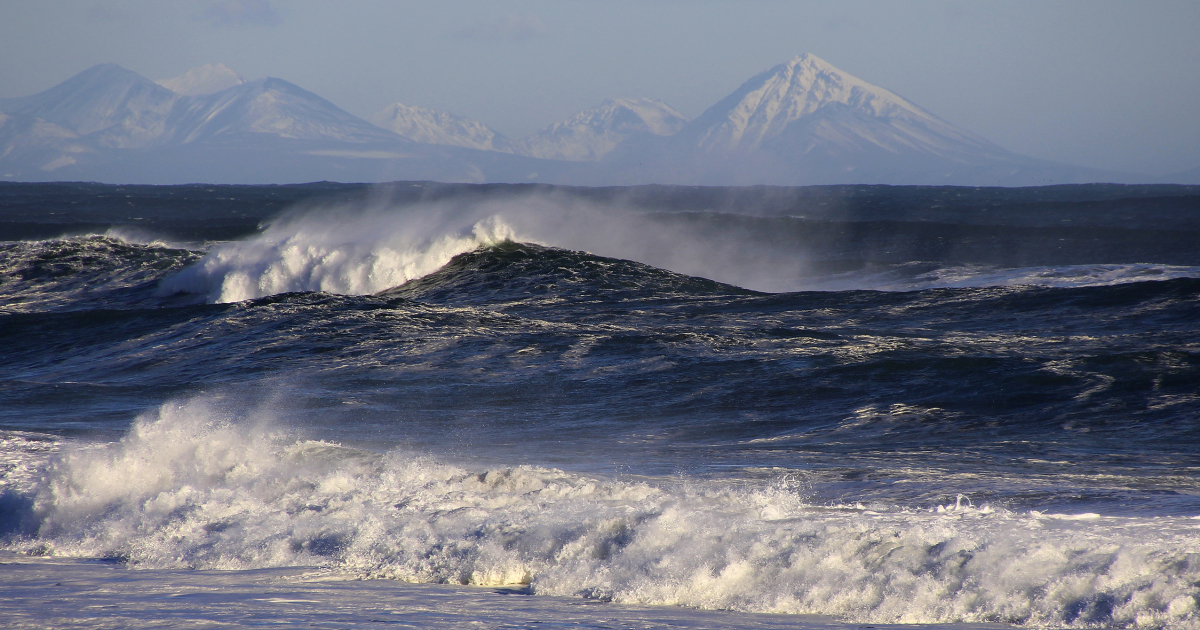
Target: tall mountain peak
<point x="765" y="105"/>
<point x="810" y="59"/>
<point x="102" y="97"/>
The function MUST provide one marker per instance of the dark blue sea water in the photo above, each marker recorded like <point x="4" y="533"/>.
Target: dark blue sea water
<point x="871" y="404"/>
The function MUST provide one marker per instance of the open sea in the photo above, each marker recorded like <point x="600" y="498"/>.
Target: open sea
<point x="485" y="406"/>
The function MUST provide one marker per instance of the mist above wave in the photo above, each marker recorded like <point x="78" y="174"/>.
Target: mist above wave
<point x="353" y="252"/>
<point x="368" y="247"/>
<point x="196" y="485"/>
<point x="365" y="249"/>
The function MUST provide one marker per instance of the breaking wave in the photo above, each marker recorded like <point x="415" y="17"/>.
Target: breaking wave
<point x="359" y="250"/>
<point x="353" y="255"/>
<point x="194" y="485"/>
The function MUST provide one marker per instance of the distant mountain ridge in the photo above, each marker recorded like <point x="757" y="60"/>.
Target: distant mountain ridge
<point x="586" y="136"/>
<point x="801" y="122"/>
<point x="111" y="124"/>
<point x="593" y="133"/>
<point x="122" y="109"/>
<point x="437" y="127"/>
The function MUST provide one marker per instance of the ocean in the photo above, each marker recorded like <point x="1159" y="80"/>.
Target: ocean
<point x="443" y="406"/>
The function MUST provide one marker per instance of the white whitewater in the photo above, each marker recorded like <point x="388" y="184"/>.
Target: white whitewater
<point x="195" y="486"/>
<point x="363" y="255"/>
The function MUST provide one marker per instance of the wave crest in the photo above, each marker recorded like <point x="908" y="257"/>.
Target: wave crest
<point x="351" y="254"/>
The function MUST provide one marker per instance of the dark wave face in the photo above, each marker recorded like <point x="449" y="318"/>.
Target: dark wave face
<point x="531" y="274"/>
<point x="510" y="343"/>
<point x="85" y="273"/>
<point x="447" y="394"/>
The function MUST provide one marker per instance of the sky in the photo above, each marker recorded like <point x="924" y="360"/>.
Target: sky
<point x="1107" y="84"/>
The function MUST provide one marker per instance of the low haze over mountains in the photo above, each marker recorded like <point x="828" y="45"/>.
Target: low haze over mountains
<point x="802" y="122"/>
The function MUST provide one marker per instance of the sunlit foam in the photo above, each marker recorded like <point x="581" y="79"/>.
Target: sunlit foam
<point x="192" y="486"/>
<point x="356" y="253"/>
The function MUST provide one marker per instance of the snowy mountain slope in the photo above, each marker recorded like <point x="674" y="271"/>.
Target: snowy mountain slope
<point x="802" y="122"/>
<point x="436" y="127"/>
<point x="106" y="97"/>
<point x="207" y="79"/>
<point x="806" y="122"/>
<point x="764" y="107"/>
<point x="116" y="108"/>
<point x="38" y="144"/>
<point x="593" y="133"/>
<point x="807" y="106"/>
<point x="110" y="124"/>
<point x="272" y="107"/>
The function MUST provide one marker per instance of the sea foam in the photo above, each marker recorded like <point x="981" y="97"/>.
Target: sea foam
<point x="192" y="485"/>
<point x="351" y="253"/>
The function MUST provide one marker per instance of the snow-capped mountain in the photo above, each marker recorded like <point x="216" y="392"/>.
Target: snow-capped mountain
<point x="39" y="143"/>
<point x="802" y="122"/>
<point x="807" y="122"/>
<point x="593" y="133"/>
<point x="207" y="79"/>
<point x="127" y="109"/>
<point x="435" y="127"/>
<point x="272" y="107"/>
<point x="112" y="107"/>
<point x="110" y="124"/>
<point x="586" y="136"/>
<point x="763" y="113"/>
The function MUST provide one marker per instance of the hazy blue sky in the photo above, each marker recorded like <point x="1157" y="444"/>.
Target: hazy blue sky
<point x="1094" y="83"/>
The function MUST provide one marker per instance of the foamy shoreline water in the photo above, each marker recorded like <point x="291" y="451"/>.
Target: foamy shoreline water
<point x="70" y="593"/>
<point x="188" y="490"/>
